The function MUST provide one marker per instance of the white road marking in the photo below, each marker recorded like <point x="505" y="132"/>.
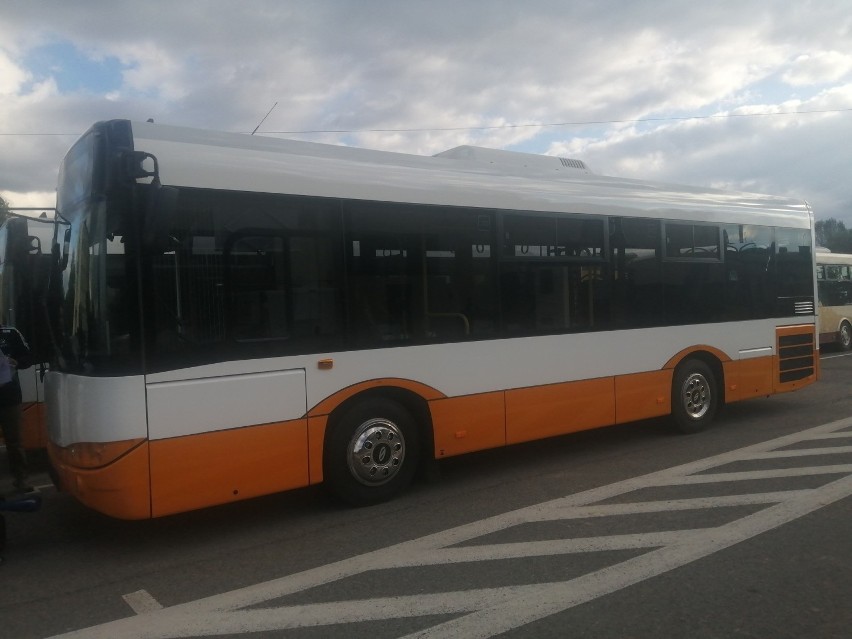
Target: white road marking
<point x="142" y="602"/>
<point x="805" y="452"/>
<point x="486" y="612"/>
<point x="836" y="356"/>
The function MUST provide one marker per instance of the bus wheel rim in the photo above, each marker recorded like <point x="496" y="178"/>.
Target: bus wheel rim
<point x="696" y="396"/>
<point x="376" y="452"/>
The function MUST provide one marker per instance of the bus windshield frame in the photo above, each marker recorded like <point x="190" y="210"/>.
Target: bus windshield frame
<point x="91" y="299"/>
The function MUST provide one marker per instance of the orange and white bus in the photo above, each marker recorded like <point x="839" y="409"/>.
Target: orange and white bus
<point x="24" y="261"/>
<point x="237" y="316"/>
<point x="834" y="290"/>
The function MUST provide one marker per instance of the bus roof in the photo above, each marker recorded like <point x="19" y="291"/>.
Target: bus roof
<point x="827" y="257"/>
<point x="464" y="176"/>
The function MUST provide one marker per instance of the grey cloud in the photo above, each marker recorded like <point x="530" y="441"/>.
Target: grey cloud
<point x="383" y="64"/>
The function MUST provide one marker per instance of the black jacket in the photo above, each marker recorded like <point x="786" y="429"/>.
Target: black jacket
<point x="14" y="346"/>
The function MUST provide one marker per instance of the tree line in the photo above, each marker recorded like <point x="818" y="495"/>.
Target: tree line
<point x="833" y="235"/>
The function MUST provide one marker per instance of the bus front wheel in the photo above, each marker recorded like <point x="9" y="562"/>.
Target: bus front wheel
<point x="694" y="396"/>
<point x="371" y="452"/>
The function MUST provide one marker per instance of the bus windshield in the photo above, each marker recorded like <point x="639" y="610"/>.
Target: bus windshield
<point x="89" y="302"/>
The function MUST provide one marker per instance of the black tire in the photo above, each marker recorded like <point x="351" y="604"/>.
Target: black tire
<point x="695" y="397"/>
<point x="371" y="452"/>
<point x="844" y="336"/>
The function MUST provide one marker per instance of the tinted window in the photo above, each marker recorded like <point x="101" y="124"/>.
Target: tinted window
<point x="749" y="279"/>
<point x="692" y="241"/>
<point x="419" y="274"/>
<point x="794" y="268"/>
<point x="246" y="275"/>
<point x="255" y="275"/>
<point x="637" y="287"/>
<point x="553" y="279"/>
<point x="528" y="236"/>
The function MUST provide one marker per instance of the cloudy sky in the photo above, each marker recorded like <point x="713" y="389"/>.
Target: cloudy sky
<point x="752" y="95"/>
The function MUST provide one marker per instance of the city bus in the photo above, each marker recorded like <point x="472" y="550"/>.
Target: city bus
<point x="834" y="291"/>
<point x="25" y="243"/>
<point x="234" y="316"/>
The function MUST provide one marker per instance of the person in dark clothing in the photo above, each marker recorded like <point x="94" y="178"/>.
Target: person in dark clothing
<point x="14" y="356"/>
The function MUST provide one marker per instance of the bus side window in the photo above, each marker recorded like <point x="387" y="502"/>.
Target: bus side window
<point x="257" y="281"/>
<point x="280" y="288"/>
<point x="637" y="286"/>
<point x="417" y="274"/>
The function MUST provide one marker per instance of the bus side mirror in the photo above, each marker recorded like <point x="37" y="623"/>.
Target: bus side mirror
<point x="134" y="165"/>
<point x="159" y="215"/>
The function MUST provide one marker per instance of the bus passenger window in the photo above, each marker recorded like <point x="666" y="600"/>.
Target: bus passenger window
<point x="419" y="274"/>
<point x="637" y="285"/>
<point x="257" y="282"/>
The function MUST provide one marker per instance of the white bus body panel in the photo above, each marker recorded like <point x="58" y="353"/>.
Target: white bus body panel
<point x="209" y="404"/>
<point x="94" y="409"/>
<point x="32" y="388"/>
<point x="177" y="405"/>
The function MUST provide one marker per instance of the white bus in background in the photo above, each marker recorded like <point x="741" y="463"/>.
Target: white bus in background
<point x="834" y="284"/>
<point x="25" y="242"/>
<point x="236" y="316"/>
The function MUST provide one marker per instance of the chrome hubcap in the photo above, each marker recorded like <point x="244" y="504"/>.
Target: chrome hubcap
<point x="696" y="396"/>
<point x="376" y="452"/>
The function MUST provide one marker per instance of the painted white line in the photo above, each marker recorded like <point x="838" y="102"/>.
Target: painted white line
<point x="547" y="599"/>
<point x="835" y="356"/>
<point x="491" y="611"/>
<point x="543" y="548"/>
<point x="841" y="435"/>
<point x="804" y="452"/>
<point x="840" y="469"/>
<point x="695" y="503"/>
<point x="142" y="602"/>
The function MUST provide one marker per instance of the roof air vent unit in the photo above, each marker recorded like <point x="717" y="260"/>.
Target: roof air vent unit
<point x="574" y="164"/>
<point x="513" y="161"/>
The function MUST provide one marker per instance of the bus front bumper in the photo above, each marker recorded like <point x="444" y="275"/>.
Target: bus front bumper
<point x="120" y="489"/>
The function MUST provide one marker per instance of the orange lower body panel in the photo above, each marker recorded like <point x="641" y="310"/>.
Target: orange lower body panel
<point x="556" y="409"/>
<point x="477" y="422"/>
<point x="642" y="396"/>
<point x="466" y="424"/>
<point x="225" y="466"/>
<point x="747" y="378"/>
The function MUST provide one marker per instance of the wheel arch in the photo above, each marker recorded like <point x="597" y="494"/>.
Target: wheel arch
<point x="842" y="319"/>
<point x="713" y="357"/>
<point x="412" y="401"/>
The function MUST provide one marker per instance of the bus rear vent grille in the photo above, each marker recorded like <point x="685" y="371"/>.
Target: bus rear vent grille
<point x="804" y="308"/>
<point x="795" y="357"/>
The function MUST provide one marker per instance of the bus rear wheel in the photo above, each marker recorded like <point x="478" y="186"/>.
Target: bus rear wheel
<point x="844" y="336"/>
<point x="371" y="452"/>
<point x="694" y="396"/>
